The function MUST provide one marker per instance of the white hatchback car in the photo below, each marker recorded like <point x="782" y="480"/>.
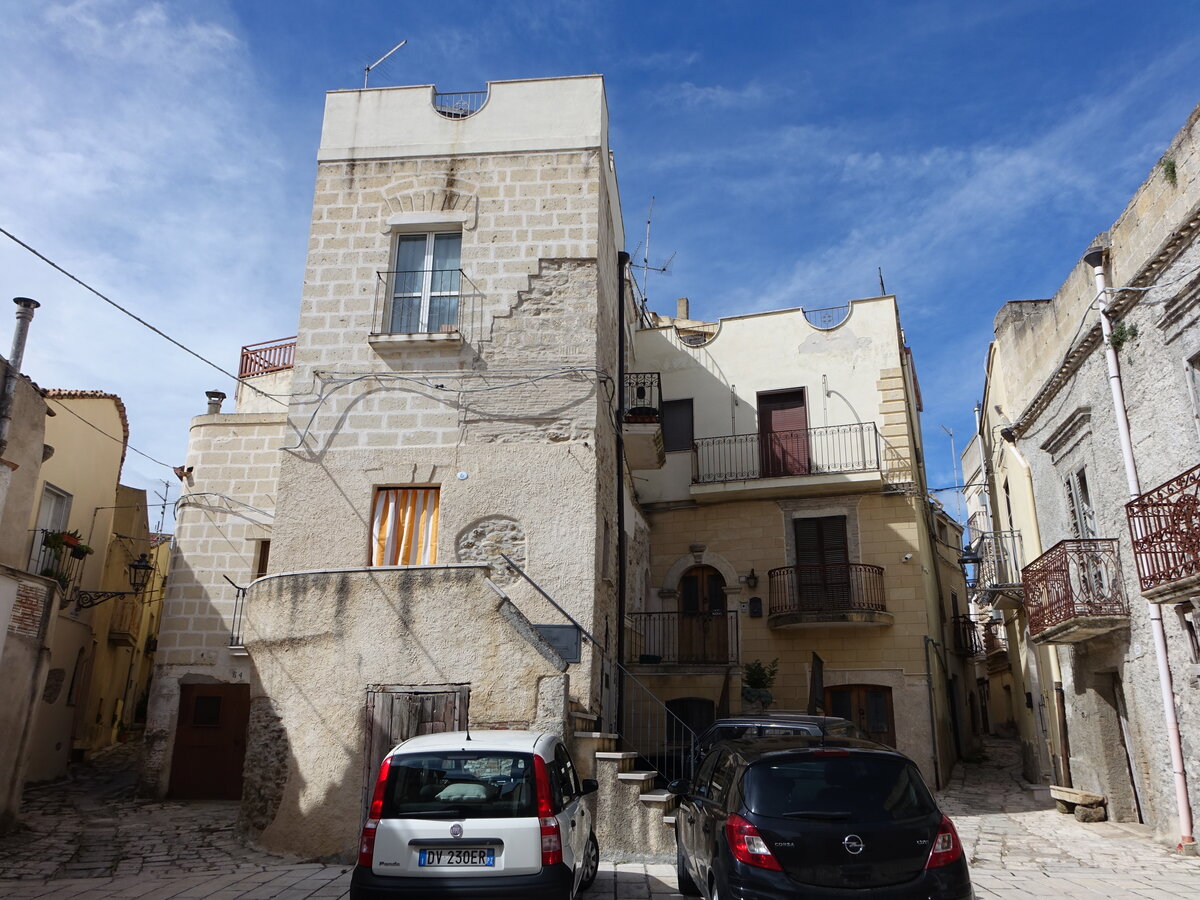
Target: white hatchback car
<point x="486" y="814"/>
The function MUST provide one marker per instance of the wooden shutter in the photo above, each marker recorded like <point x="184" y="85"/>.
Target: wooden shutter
<point x="404" y="523"/>
<point x="822" y="561"/>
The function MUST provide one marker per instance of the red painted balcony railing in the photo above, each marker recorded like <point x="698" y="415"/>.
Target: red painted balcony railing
<point x="1164" y="525"/>
<point x="269" y="356"/>
<point x="995" y="640"/>
<point x="831" y="589"/>
<point x="1074" y="579"/>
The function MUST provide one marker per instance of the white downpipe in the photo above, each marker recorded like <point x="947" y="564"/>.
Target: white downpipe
<point x="1096" y="260"/>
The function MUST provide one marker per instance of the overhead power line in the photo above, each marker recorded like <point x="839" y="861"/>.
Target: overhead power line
<point x="12" y="237"/>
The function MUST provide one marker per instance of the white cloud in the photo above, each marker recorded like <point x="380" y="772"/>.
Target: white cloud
<point x="693" y="96"/>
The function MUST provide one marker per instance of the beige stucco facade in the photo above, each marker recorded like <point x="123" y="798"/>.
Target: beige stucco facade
<point x="862" y="404"/>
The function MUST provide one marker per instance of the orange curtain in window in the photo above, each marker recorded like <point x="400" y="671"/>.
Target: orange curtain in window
<point x="404" y="527"/>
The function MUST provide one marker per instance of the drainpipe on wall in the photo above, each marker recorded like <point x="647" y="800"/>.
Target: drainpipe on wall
<point x="622" y="543"/>
<point x="1095" y="257"/>
<point x="25" y="308"/>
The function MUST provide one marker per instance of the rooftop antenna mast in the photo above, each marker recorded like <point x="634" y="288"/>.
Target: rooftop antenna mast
<point x="958" y="485"/>
<point x="367" y="69"/>
<point x="644" y="265"/>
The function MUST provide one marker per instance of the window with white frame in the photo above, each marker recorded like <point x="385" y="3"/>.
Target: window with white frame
<point x="426" y="280"/>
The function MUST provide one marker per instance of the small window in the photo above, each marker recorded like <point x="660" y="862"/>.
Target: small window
<point x="677" y="425"/>
<point x="261" y="558"/>
<point x="1079" y="504"/>
<point x="425" y="284"/>
<point x="703" y="783"/>
<point x="404" y="524"/>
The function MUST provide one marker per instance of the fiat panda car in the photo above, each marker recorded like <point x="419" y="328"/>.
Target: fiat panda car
<point x="481" y="814"/>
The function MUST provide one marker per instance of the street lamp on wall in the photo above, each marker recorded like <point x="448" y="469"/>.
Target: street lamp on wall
<point x="139" y="576"/>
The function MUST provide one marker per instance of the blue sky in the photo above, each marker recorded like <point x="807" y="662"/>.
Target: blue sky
<point x="164" y="152"/>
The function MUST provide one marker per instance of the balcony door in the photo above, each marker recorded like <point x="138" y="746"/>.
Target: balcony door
<point x="425" y="283"/>
<point x="822" y="563"/>
<point x="783" y="433"/>
<point x="703" y="622"/>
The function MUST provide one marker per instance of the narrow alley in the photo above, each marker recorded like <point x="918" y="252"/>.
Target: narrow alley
<point x="89" y="837"/>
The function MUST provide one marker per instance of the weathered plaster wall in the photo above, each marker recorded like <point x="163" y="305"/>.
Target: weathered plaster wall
<point x="318" y="639"/>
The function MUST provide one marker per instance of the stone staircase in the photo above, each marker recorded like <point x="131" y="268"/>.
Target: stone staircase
<point x="634" y="819"/>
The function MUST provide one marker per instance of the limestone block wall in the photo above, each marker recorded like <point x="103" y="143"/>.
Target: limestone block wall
<point x="227" y="508"/>
<point x="318" y="639"/>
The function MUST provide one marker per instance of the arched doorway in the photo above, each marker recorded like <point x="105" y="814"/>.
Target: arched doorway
<point x="703" y="623"/>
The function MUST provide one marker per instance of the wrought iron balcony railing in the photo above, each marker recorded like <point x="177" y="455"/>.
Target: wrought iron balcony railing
<point x="425" y="301"/>
<point x="977" y="526"/>
<point x="964" y="636"/>
<point x="459" y="104"/>
<point x="808" y="451"/>
<point x="672" y="638"/>
<point x="1072" y="587"/>
<point x="1001" y="559"/>
<point x="643" y="397"/>
<point x="269" y="356"/>
<point x="58" y="556"/>
<point x="826" y="593"/>
<point x="995" y="639"/>
<point x="1164" y="525"/>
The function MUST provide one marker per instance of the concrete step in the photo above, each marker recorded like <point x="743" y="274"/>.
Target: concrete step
<point x="637" y="776"/>
<point x="658" y="795"/>
<point x="597" y="735"/>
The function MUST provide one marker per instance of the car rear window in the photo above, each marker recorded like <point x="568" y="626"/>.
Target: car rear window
<point x="460" y="785"/>
<point x="859" y="787"/>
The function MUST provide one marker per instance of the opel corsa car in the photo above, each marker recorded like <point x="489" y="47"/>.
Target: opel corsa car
<point x="777" y="818"/>
<point x="480" y="814"/>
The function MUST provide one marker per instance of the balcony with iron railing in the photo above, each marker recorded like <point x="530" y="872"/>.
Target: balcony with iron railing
<point x="830" y="459"/>
<point x="995" y="640"/>
<point x="840" y="594"/>
<point x="1164" y="525"/>
<point x="459" y="104"/>
<point x="425" y="305"/>
<point x="641" y="418"/>
<point x="964" y="636"/>
<point x="683" y="639"/>
<point x="1073" y="592"/>
<point x="267" y="357"/>
<point x="58" y="556"/>
<point x="997" y="557"/>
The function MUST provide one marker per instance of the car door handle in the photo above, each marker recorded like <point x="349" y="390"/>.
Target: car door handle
<point x="572" y="823"/>
<point x="691" y="821"/>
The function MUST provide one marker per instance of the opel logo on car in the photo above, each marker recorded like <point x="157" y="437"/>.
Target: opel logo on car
<point x="456" y="830"/>
<point x="853" y="844"/>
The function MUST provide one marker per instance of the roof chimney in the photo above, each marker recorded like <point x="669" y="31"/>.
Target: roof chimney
<point x="25" y="308"/>
<point x="681" y="308"/>
<point x="214" y="401"/>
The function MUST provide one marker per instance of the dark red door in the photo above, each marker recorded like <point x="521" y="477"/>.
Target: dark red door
<point x="210" y="742"/>
<point x="783" y="433"/>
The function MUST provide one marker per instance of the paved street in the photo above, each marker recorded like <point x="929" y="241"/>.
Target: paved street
<point x="89" y="838"/>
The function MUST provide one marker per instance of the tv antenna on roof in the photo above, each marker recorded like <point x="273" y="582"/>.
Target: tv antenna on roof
<point x="644" y="265"/>
<point x="367" y="69"/>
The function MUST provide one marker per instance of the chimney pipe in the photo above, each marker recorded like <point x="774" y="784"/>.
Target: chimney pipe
<point x="25" y="308"/>
<point x="681" y="308"/>
<point x="215" y="398"/>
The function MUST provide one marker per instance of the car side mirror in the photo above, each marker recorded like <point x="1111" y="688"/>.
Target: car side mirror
<point x="590" y="786"/>
<point x="680" y="787"/>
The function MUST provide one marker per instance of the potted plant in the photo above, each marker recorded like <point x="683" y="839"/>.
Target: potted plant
<point x="79" y="551"/>
<point x="63" y="579"/>
<point x="757" y="678"/>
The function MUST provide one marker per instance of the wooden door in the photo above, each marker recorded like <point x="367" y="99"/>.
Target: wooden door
<point x="869" y="706"/>
<point x="783" y="433"/>
<point x="703" y="623"/>
<point x="210" y="742"/>
<point x="396" y="712"/>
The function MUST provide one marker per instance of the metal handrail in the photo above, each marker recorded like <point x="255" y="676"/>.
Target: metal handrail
<point x="671" y="638"/>
<point x="458" y="104"/>
<point x="805" y="451"/>
<point x="450" y="304"/>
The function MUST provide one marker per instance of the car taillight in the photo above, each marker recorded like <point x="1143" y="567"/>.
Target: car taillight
<point x="366" y="844"/>
<point x="946" y="846"/>
<point x="552" y="849"/>
<point x="747" y="845"/>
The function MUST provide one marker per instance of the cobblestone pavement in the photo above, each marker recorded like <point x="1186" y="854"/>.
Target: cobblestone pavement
<point x="89" y="838"/>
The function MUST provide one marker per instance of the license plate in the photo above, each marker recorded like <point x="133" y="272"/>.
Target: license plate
<point x="468" y="856"/>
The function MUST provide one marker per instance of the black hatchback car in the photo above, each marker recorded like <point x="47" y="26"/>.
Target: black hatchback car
<point x="776" y="818"/>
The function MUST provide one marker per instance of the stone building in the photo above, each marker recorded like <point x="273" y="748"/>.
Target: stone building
<point x="450" y="396"/>
<point x="1090" y="428"/>
<point x="789" y="521"/>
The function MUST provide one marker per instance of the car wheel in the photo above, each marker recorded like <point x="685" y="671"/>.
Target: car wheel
<point x="687" y="887"/>
<point x="591" y="862"/>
